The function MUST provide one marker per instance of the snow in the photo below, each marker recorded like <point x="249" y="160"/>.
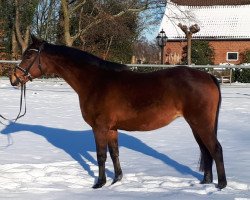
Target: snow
<point x="50" y="153"/>
<point x="214" y="21"/>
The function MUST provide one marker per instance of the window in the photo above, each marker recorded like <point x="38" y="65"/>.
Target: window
<point x="232" y="56"/>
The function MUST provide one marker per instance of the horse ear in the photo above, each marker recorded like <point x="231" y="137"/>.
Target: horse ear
<point x="35" y="40"/>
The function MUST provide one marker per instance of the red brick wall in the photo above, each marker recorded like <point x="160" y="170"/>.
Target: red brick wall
<point x="173" y="50"/>
<point x="222" y="47"/>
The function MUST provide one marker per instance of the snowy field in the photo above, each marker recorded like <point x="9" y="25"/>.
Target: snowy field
<point x="50" y="153"/>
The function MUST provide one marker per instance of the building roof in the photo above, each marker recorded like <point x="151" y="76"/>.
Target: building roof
<point x="215" y="22"/>
<point x="210" y="2"/>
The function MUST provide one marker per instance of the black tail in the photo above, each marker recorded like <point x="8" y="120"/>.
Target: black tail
<point x="216" y="120"/>
<point x="218" y="106"/>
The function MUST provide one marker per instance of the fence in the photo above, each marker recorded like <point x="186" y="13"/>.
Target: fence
<point x="223" y="72"/>
<point x="193" y="66"/>
<point x="160" y="66"/>
<point x="10" y="61"/>
<point x="5" y="66"/>
<point x="212" y="68"/>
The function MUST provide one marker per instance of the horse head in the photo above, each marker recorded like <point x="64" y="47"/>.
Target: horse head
<point x="30" y="66"/>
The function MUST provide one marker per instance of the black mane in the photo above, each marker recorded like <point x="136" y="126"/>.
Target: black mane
<point x="79" y="57"/>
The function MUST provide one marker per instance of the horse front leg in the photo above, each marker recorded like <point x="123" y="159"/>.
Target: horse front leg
<point x="101" y="151"/>
<point x="114" y="154"/>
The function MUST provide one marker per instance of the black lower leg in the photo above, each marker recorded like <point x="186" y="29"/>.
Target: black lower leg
<point x="222" y="181"/>
<point x="208" y="178"/>
<point x="117" y="169"/>
<point x="208" y="163"/>
<point x="101" y="158"/>
<point x="114" y="153"/>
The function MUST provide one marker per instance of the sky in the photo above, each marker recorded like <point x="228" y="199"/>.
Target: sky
<point x="154" y="18"/>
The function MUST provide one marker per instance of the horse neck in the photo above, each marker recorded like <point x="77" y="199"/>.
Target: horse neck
<point x="79" y="78"/>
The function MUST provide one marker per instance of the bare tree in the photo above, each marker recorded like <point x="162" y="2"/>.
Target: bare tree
<point x="145" y="51"/>
<point x="98" y="14"/>
<point x="24" y="11"/>
<point x="189" y="31"/>
<point x="45" y="20"/>
<point x="23" y="39"/>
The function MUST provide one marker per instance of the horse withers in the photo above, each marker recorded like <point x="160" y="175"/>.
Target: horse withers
<point x="112" y="98"/>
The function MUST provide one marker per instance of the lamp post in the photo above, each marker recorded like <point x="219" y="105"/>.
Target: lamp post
<point x="162" y="41"/>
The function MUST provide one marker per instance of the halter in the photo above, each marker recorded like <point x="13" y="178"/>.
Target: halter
<point x="23" y="86"/>
<point x="25" y="71"/>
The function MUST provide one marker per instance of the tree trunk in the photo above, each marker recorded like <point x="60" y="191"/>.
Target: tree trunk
<point x="189" y="45"/>
<point x="109" y="43"/>
<point x="22" y="40"/>
<point x="66" y="23"/>
<point x="14" y="46"/>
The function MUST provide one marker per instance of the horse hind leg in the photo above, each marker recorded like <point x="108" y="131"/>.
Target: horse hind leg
<point x="206" y="161"/>
<point x="211" y="148"/>
<point x="217" y="154"/>
<point x="114" y="154"/>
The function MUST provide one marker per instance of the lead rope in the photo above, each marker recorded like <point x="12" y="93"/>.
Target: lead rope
<point x="19" y="115"/>
<point x="22" y="97"/>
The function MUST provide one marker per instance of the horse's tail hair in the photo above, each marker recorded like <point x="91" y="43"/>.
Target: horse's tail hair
<point x="202" y="163"/>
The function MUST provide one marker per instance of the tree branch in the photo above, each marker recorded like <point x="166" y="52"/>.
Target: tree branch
<point x="133" y="10"/>
<point x="77" y="7"/>
<point x="84" y="30"/>
<point x="194" y="28"/>
<point x="184" y="28"/>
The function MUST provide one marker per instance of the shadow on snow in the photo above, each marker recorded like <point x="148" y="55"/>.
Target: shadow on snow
<point x="78" y="144"/>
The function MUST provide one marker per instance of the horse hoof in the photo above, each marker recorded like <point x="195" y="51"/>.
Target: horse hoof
<point x="208" y="178"/>
<point x="99" y="184"/>
<point x="117" y="178"/>
<point x="205" y="181"/>
<point x="222" y="185"/>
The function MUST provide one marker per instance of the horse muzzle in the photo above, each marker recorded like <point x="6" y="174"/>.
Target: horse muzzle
<point x="15" y="80"/>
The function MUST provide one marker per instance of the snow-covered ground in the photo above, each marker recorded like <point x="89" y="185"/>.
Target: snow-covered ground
<point x="50" y="153"/>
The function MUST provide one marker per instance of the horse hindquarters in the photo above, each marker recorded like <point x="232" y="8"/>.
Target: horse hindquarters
<point x="203" y="120"/>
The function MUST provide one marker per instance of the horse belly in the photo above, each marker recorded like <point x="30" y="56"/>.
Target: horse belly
<point x="148" y="121"/>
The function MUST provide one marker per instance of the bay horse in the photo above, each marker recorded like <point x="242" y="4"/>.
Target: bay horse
<point x="112" y="98"/>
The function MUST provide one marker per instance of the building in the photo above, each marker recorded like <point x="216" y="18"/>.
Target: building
<point x="224" y="23"/>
